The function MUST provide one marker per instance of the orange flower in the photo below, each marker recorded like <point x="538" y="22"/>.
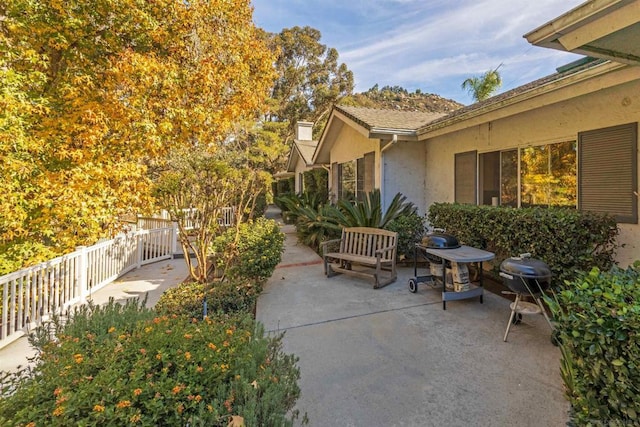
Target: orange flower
<point x="143" y="351"/>
<point x="57" y="391"/>
<point x="98" y="408"/>
<point x="198" y="398"/>
<point x="135" y="418"/>
<point x="159" y="356"/>
<point x="229" y="331"/>
<point x="225" y="344"/>
<point x="31" y="424"/>
<point x="187" y="355"/>
<point x="177" y="389"/>
<point x="180" y="408"/>
<point x="212" y="346"/>
<point x="123" y="404"/>
<point x="188" y="336"/>
<point x="137" y="391"/>
<point x="78" y="358"/>
<point x="58" y="411"/>
<point x="111" y="329"/>
<point x="199" y="369"/>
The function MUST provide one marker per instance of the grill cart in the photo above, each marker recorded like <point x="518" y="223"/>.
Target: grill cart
<point x="442" y="250"/>
<point x="526" y="276"/>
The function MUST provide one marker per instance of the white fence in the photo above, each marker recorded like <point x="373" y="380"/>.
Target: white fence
<point x="31" y="295"/>
<point x="191" y="219"/>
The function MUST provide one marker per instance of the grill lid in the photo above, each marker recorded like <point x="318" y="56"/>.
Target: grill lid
<point x="525" y="266"/>
<point x="438" y="239"/>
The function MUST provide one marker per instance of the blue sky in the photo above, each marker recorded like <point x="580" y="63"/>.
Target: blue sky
<point x="433" y="45"/>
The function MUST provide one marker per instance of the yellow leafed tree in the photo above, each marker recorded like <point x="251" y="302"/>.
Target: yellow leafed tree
<point x="93" y="91"/>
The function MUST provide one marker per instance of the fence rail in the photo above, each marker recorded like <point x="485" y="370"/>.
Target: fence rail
<point x="31" y="295"/>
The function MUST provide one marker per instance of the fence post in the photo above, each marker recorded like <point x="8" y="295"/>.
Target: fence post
<point x="139" y="246"/>
<point x="82" y="273"/>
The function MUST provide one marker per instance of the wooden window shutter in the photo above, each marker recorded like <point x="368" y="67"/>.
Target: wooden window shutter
<point x="466" y="177"/>
<point x="607" y="171"/>
<point x="369" y="172"/>
<point x="335" y="182"/>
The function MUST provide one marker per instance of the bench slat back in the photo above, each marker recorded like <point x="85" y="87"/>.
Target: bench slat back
<point x="366" y="241"/>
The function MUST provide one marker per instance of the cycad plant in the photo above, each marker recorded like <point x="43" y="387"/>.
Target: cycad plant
<point x="368" y="213"/>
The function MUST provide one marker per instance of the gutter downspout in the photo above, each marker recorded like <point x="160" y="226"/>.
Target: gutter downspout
<point x="383" y="191"/>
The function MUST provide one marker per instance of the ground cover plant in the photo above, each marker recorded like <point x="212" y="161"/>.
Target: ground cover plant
<point x="126" y="365"/>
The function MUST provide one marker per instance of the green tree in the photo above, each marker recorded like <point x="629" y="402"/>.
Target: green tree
<point x="484" y="86"/>
<point x="309" y="81"/>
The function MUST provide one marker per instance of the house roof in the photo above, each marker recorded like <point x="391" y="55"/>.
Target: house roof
<point x="577" y="71"/>
<point x="382" y="124"/>
<point x="388" y="120"/>
<point x="301" y="150"/>
<point x="608" y="29"/>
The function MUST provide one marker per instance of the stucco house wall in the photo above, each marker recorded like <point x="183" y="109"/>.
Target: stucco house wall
<point x="352" y="146"/>
<point x="403" y="172"/>
<point x="549" y="122"/>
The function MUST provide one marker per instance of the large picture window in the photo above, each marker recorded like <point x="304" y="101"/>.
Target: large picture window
<point x="543" y="175"/>
<point x="548" y="174"/>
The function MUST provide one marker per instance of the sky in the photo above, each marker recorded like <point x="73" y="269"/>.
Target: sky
<point x="431" y="45"/>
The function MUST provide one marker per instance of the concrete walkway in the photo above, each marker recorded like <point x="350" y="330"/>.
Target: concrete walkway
<point x="152" y="280"/>
<point x="388" y="357"/>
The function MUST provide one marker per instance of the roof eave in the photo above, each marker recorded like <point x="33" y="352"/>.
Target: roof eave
<point x="490" y="107"/>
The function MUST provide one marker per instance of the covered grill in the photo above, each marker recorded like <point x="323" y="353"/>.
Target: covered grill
<point x="525" y="276"/>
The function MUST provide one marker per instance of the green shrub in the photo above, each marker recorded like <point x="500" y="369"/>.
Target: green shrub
<point x="186" y="299"/>
<point x="253" y="253"/>
<point x="598" y="318"/>
<point x="410" y="229"/>
<point x="567" y="240"/>
<point x="231" y="296"/>
<point x="155" y="371"/>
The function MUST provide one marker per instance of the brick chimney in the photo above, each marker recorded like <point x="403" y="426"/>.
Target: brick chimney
<point x="304" y="131"/>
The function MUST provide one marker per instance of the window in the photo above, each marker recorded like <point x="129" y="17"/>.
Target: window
<point x="465" y="177"/>
<point x="544" y="175"/>
<point x="548" y="175"/>
<point x="608" y="171"/>
<point x="356" y="177"/>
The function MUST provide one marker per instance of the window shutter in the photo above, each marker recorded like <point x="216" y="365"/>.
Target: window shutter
<point x="335" y="182"/>
<point x="607" y="172"/>
<point x="466" y="178"/>
<point x="360" y="174"/>
<point x="369" y="172"/>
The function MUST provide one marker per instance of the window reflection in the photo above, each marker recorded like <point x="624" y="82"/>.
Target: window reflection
<point x="548" y="175"/>
<point x="509" y="178"/>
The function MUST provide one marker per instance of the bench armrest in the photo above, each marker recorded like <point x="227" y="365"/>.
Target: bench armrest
<point x="384" y="250"/>
<point x="323" y="245"/>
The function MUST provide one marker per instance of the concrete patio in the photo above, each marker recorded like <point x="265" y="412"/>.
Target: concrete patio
<point x="388" y="357"/>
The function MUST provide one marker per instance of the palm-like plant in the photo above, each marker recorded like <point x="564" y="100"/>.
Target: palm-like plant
<point x="484" y="86"/>
<point x="368" y="213"/>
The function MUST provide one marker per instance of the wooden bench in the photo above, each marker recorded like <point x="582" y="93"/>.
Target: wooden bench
<point x="363" y="252"/>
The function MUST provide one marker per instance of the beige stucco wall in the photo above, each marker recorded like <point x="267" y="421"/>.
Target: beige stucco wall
<point x="554" y="122"/>
<point x="301" y="167"/>
<point x="350" y="145"/>
<point x="403" y="172"/>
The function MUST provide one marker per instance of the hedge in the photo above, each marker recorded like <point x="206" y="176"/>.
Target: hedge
<point x="598" y="320"/>
<point x="567" y="240"/>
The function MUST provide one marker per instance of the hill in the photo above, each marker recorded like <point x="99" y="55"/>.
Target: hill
<point x="398" y="98"/>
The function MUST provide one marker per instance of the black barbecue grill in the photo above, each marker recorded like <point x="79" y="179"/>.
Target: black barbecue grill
<point x="525" y="276"/>
<point x="436" y="239"/>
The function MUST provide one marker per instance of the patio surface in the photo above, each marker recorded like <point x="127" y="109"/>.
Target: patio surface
<point x="388" y="357"/>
